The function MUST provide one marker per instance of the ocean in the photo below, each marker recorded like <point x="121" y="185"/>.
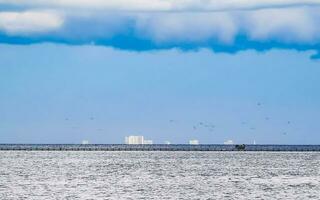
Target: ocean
<point x="159" y="175"/>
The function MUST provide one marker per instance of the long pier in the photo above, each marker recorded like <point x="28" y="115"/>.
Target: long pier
<point x="155" y="147"/>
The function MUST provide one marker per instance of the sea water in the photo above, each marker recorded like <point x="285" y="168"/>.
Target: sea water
<point x="159" y="175"/>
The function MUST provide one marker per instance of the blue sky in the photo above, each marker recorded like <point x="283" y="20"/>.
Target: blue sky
<point x="101" y="70"/>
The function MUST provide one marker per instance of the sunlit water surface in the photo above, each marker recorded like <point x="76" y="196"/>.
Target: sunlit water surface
<point x="159" y="175"/>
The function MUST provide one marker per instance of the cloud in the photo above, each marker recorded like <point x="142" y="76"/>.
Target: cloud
<point x="30" y="22"/>
<point x="187" y="27"/>
<point x="287" y="25"/>
<point x="162" y="5"/>
<point x="221" y="25"/>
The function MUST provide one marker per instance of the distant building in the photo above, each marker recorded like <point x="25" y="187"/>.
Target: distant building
<point x="167" y="142"/>
<point x="228" y="142"/>
<point x="194" y="142"/>
<point x="147" y="142"/>
<point x="137" y="139"/>
<point x="133" y="139"/>
<point x="85" y="142"/>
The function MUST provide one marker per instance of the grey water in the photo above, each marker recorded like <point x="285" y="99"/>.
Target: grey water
<point x="159" y="175"/>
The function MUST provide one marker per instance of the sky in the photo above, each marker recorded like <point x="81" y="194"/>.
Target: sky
<point x="170" y="70"/>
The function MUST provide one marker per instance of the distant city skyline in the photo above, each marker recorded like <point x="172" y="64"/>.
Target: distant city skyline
<point x="140" y="139"/>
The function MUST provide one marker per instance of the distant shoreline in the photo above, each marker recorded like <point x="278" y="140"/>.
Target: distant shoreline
<point x="156" y="147"/>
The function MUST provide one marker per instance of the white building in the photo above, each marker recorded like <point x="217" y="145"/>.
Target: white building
<point x="85" y="142"/>
<point x="133" y="139"/>
<point x="167" y="142"/>
<point x="228" y="142"/>
<point x="194" y="142"/>
<point x="147" y="142"/>
<point x="137" y="139"/>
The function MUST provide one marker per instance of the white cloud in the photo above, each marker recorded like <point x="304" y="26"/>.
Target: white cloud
<point x="30" y="22"/>
<point x="187" y="27"/>
<point x="288" y="25"/>
<point x="162" y="5"/>
<point x="167" y="23"/>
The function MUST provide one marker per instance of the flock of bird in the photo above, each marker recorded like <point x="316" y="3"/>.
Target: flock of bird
<point x="200" y="125"/>
<point x="211" y="127"/>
